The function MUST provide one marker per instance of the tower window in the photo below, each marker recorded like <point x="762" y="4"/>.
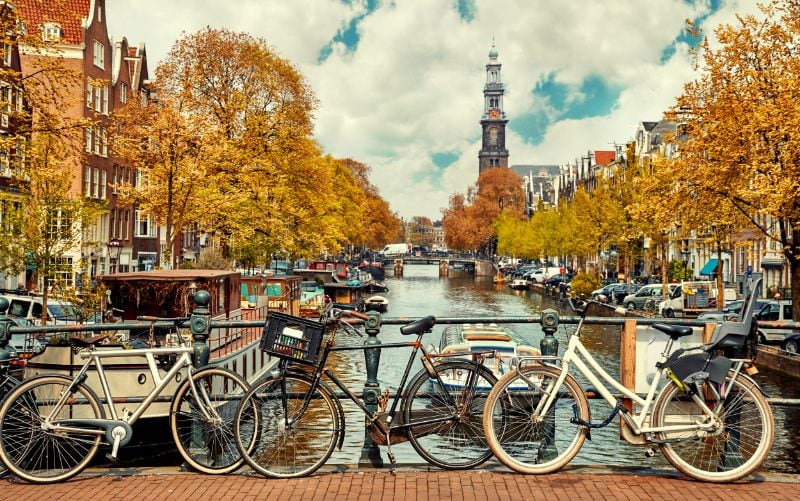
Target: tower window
<point x="493" y="136"/>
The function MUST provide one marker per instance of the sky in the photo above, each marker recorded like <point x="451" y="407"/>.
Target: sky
<point x="400" y="82"/>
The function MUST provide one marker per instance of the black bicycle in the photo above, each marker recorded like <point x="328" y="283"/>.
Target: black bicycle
<point x="296" y="419"/>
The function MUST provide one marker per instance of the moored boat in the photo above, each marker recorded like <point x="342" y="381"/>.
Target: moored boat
<point x="472" y="338"/>
<point x="376" y="303"/>
<point x="519" y="284"/>
<point x="374" y="268"/>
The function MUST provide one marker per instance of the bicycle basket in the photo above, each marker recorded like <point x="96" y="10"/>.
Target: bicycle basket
<point x="292" y="338"/>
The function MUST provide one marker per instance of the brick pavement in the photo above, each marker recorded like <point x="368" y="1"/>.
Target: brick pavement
<point x="375" y="485"/>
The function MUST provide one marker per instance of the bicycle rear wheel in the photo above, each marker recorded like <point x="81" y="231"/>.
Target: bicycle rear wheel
<point x="277" y="436"/>
<point x="454" y="438"/>
<point x="202" y="422"/>
<point x="41" y="455"/>
<point x="519" y="435"/>
<point x="728" y="452"/>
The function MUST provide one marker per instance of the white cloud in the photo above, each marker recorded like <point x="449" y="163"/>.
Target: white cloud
<point x="413" y="86"/>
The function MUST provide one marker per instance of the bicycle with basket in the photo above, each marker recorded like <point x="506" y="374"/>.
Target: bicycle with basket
<point x="710" y="419"/>
<point x="291" y="420"/>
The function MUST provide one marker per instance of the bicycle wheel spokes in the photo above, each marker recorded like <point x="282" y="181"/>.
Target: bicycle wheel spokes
<point x="450" y="432"/>
<point x="521" y="436"/>
<point x="729" y="451"/>
<point x="202" y="420"/>
<point x="287" y="441"/>
<point x="34" y="452"/>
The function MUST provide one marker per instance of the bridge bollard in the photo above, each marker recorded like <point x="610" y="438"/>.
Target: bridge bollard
<point x="5" y="335"/>
<point x="200" y="325"/>
<point x="549" y="348"/>
<point x="370" y="453"/>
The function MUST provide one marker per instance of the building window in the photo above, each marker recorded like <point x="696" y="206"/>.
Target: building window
<point x="493" y="136"/>
<point x="144" y="227"/>
<point x="7" y="54"/>
<point x="88" y="135"/>
<point x="103" y="140"/>
<point x="99" y="55"/>
<point x="97" y="141"/>
<point x="103" y="180"/>
<point x="105" y="99"/>
<point x="51" y="32"/>
<point x="123" y="93"/>
<point x="62" y="272"/>
<point x="87" y="181"/>
<point x="114" y="171"/>
<point x="125" y="224"/>
<point x="89" y="94"/>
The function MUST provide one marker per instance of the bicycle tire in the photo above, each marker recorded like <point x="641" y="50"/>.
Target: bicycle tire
<point x="455" y="444"/>
<point x="275" y="449"/>
<point x="8" y="384"/>
<point x="204" y="435"/>
<point x="38" y="455"/>
<point x="733" y="451"/>
<point x="523" y="440"/>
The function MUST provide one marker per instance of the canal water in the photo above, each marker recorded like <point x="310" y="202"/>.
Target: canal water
<point x="421" y="292"/>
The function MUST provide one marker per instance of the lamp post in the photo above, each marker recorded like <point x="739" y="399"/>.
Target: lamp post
<point x="685" y="254"/>
<point x="114" y="250"/>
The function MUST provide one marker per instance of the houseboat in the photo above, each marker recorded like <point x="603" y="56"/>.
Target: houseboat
<point x="164" y="293"/>
<point x="312" y="299"/>
<point x="374" y="268"/>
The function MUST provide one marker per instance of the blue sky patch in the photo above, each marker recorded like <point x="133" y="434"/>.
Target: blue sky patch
<point x="347" y="36"/>
<point x="531" y="126"/>
<point x="466" y="9"/>
<point x="684" y="36"/>
<point x="444" y="158"/>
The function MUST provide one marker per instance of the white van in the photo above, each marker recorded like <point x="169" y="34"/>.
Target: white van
<point x="30" y="307"/>
<point x="396" y="250"/>
<point x="690" y="299"/>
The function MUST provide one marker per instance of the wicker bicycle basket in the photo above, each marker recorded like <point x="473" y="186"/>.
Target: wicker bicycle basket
<point x="293" y="338"/>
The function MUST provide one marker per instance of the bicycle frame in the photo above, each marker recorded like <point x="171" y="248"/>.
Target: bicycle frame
<point x="94" y="357"/>
<point x="417" y="347"/>
<point x="576" y="353"/>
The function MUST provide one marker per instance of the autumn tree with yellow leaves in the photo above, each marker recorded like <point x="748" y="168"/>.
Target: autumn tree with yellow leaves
<point x="743" y="125"/>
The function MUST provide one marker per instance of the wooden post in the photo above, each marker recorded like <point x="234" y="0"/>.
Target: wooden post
<point x="627" y="359"/>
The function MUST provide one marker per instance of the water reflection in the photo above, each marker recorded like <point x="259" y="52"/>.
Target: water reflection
<point x="421" y="292"/>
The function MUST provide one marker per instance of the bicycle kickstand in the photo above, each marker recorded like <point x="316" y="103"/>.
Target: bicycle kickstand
<point x="389" y="452"/>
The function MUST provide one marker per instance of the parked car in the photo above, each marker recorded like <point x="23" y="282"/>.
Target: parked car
<point x="736" y="306"/>
<point x="30" y="307"/>
<point x="615" y="293"/>
<point x="650" y="291"/>
<point x="772" y="318"/>
<point x="717" y="316"/>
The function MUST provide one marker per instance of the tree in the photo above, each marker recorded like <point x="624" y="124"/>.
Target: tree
<point x="468" y="220"/>
<point x="743" y="125"/>
<point x="379" y="225"/>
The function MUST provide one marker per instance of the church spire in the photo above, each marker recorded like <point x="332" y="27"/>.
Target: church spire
<point x="493" y="122"/>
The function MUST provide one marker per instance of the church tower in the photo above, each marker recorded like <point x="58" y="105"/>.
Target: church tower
<point x="493" y="122"/>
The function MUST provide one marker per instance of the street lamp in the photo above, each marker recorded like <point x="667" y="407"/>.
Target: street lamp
<point x="114" y="250"/>
<point x="685" y="252"/>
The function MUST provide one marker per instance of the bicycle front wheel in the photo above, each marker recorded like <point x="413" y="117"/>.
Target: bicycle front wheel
<point x="30" y="447"/>
<point x="524" y="438"/>
<point x="8" y="383"/>
<point x="202" y="420"/>
<point x="278" y="434"/>
<point x="732" y="448"/>
<point x="448" y="408"/>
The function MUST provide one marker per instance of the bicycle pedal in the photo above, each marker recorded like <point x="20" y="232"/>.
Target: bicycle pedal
<point x="111" y="458"/>
<point x="391" y="457"/>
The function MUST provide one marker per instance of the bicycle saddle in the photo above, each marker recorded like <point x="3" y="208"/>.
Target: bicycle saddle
<point x="419" y="326"/>
<point x="674" y="331"/>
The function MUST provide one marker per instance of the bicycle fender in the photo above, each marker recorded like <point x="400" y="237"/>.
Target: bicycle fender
<point x="755" y="383"/>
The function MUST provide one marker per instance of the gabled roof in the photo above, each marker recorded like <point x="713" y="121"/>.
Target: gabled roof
<point x="69" y="14"/>
<point x="604" y="157"/>
<point x="536" y="170"/>
<point x="648" y="126"/>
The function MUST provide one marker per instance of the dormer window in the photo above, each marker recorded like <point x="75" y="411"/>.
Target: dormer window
<point x="99" y="55"/>
<point x="51" y="32"/>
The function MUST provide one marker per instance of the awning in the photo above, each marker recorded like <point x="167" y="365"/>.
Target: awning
<point x="709" y="268"/>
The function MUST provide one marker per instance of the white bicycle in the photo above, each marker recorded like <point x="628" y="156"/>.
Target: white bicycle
<point x="710" y="419"/>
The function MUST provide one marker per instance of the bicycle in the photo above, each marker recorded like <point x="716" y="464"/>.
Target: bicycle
<point x="710" y="420"/>
<point x="296" y="419"/>
<point x="52" y="425"/>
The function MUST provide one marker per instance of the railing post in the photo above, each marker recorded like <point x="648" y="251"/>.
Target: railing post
<point x="370" y="453"/>
<point x="549" y="348"/>
<point x="5" y="335"/>
<point x="200" y="324"/>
